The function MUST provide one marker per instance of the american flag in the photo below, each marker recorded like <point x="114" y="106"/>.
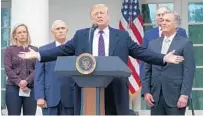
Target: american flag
<point x="132" y="22"/>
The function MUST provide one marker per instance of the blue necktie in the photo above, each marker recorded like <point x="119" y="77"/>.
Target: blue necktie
<point x="101" y="47"/>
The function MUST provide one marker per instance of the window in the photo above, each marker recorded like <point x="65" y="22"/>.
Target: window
<point x="5" y="41"/>
<point x="195" y="26"/>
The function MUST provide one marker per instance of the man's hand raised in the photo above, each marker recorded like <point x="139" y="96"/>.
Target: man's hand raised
<point x="28" y="55"/>
<point x="171" y="58"/>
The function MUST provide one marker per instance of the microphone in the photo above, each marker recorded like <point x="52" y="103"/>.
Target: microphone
<point x="94" y="26"/>
<point x="91" y="31"/>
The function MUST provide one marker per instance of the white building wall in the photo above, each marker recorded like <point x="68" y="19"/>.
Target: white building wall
<point x="35" y="15"/>
<point x="76" y="13"/>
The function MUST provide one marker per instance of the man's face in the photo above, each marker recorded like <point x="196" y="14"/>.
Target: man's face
<point x="100" y="16"/>
<point x="159" y="15"/>
<point x="168" y="24"/>
<point x="60" y="31"/>
<point x="21" y="34"/>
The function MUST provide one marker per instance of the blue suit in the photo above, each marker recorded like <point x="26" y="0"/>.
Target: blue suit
<point x="121" y="45"/>
<point x="153" y="34"/>
<point x="57" y="91"/>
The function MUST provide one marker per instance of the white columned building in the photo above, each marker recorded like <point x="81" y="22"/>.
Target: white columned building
<point x="33" y="13"/>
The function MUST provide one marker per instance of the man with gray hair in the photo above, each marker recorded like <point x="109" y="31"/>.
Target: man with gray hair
<point x="166" y="89"/>
<point x="54" y="94"/>
<point x="156" y="32"/>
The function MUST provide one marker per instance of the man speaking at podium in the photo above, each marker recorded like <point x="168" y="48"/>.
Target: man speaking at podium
<point x="106" y="41"/>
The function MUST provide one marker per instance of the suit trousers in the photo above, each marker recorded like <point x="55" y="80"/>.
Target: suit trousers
<point x="58" y="110"/>
<point x="161" y="108"/>
<point x="14" y="102"/>
<point x="110" y="107"/>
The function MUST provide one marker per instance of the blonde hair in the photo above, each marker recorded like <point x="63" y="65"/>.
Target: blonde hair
<point x="99" y="6"/>
<point x="14" y="40"/>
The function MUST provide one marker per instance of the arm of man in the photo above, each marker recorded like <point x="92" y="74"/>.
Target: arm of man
<point x="39" y="81"/>
<point x="146" y="82"/>
<point x="189" y="69"/>
<point x="143" y="53"/>
<point x="39" y="84"/>
<point x="146" y="78"/>
<point x="30" y="77"/>
<point x="150" y="57"/>
<point x="67" y="49"/>
<point x="144" y="44"/>
<point x="188" y="75"/>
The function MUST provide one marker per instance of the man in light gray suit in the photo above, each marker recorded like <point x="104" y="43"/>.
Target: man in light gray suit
<point x="166" y="89"/>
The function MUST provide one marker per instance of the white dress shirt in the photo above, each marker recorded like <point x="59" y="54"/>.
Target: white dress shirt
<point x="58" y="44"/>
<point x="160" y="31"/>
<point x="95" y="42"/>
<point x="166" y="43"/>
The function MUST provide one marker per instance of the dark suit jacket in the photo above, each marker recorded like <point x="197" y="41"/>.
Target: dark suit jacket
<point x="173" y="79"/>
<point x="153" y="34"/>
<point x="50" y="86"/>
<point x="121" y="45"/>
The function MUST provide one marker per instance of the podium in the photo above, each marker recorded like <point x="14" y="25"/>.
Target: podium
<point x="92" y="94"/>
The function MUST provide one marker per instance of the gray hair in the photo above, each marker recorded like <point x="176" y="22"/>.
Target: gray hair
<point x="166" y="7"/>
<point x="177" y="18"/>
<point x="57" y="22"/>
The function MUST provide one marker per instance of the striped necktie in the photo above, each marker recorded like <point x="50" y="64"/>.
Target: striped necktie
<point x="101" y="47"/>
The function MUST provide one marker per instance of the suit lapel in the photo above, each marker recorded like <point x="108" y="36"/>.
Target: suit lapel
<point x="160" y="44"/>
<point x="113" y="39"/>
<point x="53" y="45"/>
<point x="174" y="43"/>
<point x="88" y="43"/>
<point x="158" y="49"/>
<point x="172" y="47"/>
<point x="156" y="32"/>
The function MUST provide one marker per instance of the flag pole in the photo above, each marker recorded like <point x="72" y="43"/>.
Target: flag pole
<point x="130" y="27"/>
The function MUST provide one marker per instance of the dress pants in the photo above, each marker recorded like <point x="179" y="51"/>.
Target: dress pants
<point x="161" y="108"/>
<point x="58" y="110"/>
<point x="14" y="102"/>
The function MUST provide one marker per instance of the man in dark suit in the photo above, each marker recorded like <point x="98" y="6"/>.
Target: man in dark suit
<point x="54" y="94"/>
<point x="106" y="41"/>
<point x="166" y="89"/>
<point x="156" y="32"/>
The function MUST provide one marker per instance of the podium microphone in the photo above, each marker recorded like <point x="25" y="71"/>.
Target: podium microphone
<point x="91" y="31"/>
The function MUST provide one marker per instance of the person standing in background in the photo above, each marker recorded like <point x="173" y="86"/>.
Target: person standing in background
<point x="106" y="41"/>
<point x="167" y="89"/>
<point x="54" y="94"/>
<point x="20" y="73"/>
<point x="156" y="33"/>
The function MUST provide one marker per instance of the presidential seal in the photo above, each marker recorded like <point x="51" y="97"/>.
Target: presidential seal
<point x="85" y="63"/>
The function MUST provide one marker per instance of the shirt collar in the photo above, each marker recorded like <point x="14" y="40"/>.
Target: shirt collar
<point x="160" y="29"/>
<point x="171" y="37"/>
<point x="58" y="44"/>
<point x="105" y="30"/>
